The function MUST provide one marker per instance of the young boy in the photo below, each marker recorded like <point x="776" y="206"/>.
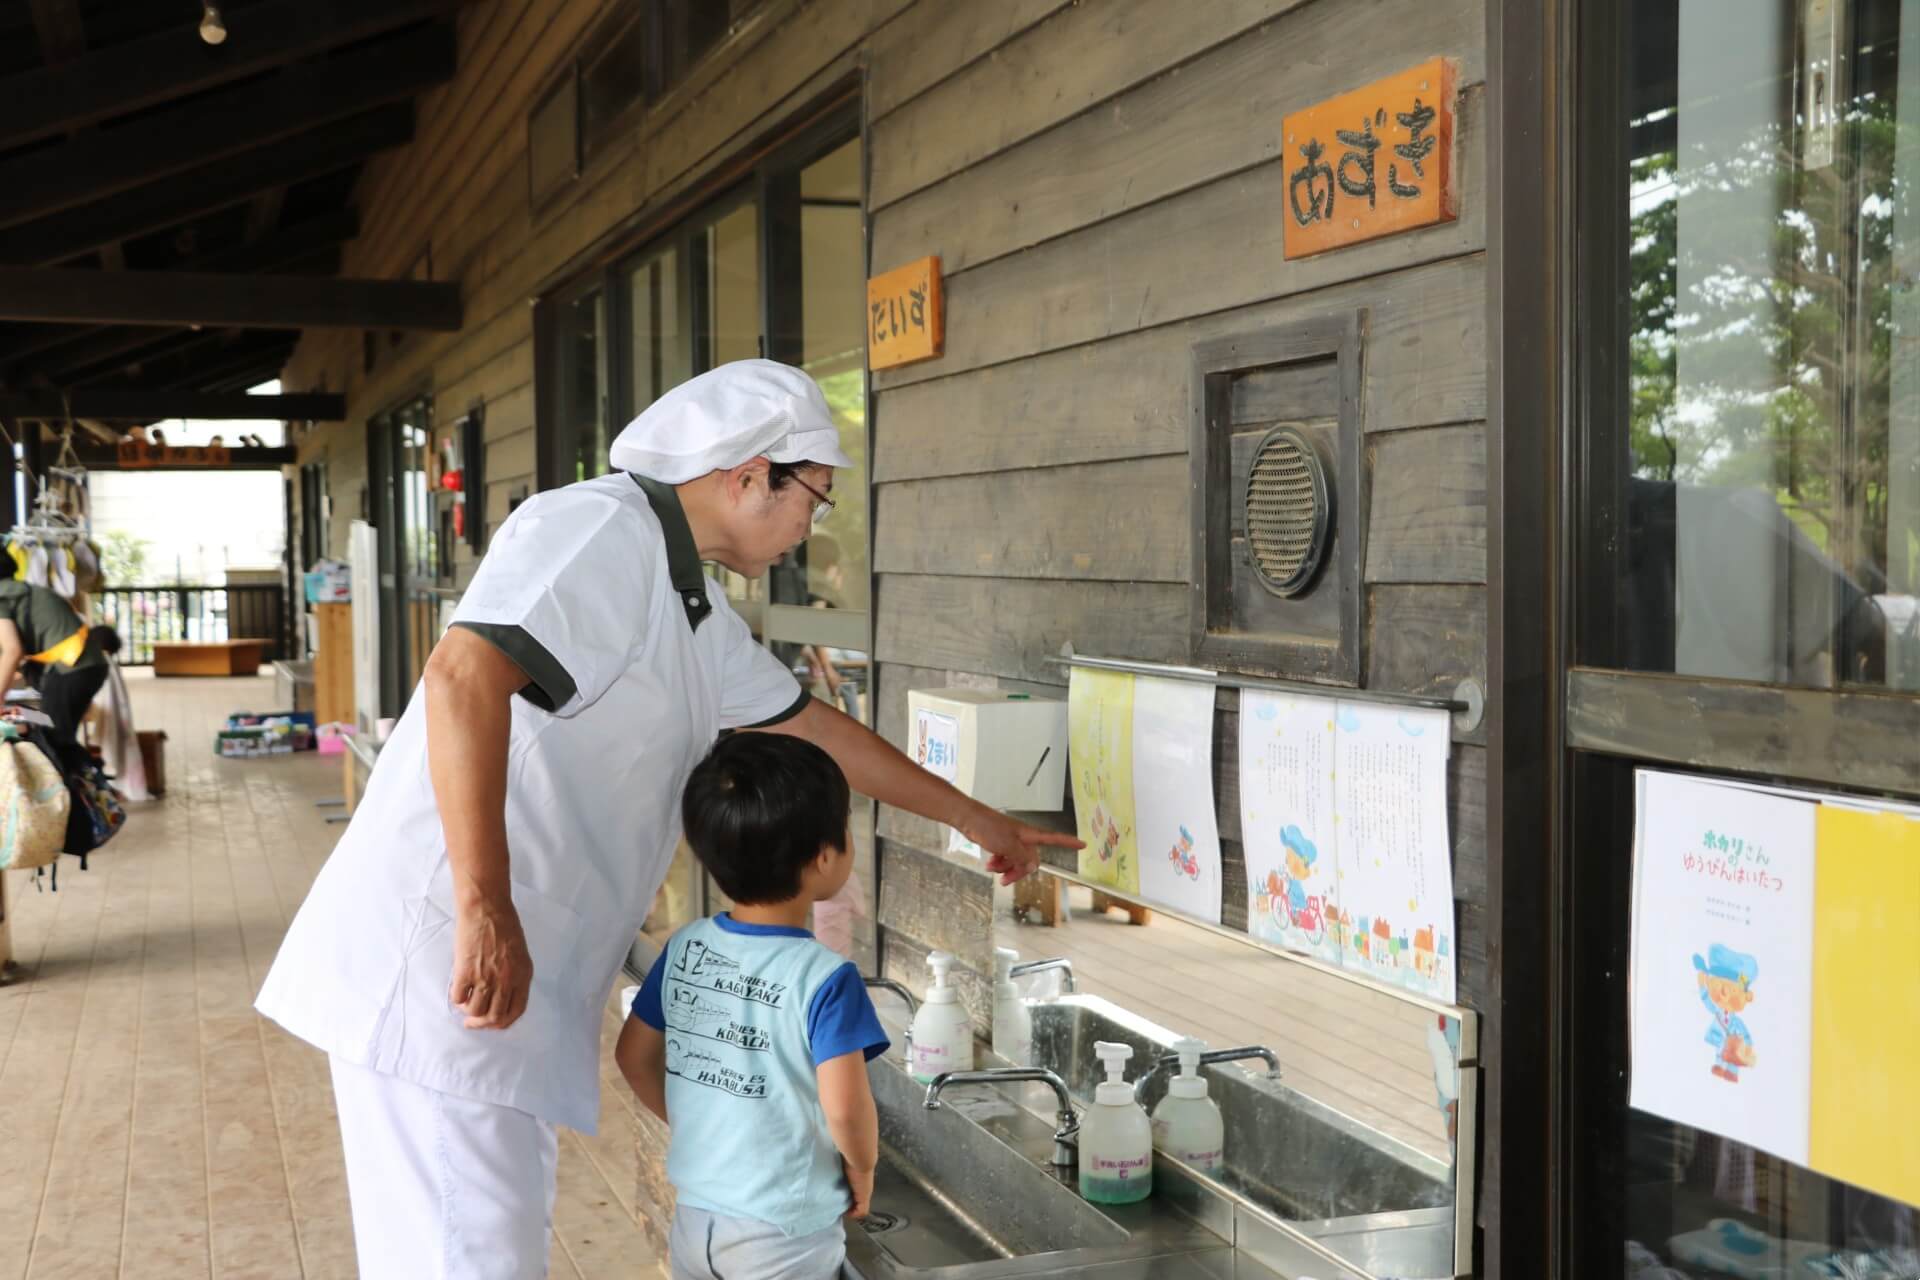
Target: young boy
<point x="750" y="1038"/>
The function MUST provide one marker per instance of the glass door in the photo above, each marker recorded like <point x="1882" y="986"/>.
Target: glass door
<point x="399" y="466"/>
<point x="1746" y="586"/>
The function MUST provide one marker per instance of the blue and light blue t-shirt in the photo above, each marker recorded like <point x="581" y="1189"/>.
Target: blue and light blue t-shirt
<point x="749" y="1012"/>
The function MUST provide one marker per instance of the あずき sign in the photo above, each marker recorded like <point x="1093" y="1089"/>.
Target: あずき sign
<point x="905" y="320"/>
<point x="1371" y="163"/>
<point x="137" y="455"/>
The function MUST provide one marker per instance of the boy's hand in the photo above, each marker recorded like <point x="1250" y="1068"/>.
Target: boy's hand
<point x="861" y="1185"/>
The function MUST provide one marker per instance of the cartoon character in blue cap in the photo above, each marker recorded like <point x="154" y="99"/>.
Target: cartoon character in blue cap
<point x="1726" y="980"/>
<point x="1301" y="855"/>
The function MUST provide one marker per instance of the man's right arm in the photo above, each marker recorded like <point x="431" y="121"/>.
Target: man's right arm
<point x="469" y="687"/>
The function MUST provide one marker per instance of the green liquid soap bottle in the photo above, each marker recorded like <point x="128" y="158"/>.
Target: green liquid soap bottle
<point x="1116" y="1138"/>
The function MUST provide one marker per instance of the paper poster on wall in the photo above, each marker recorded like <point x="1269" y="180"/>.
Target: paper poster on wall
<point x="1393" y="861"/>
<point x="1722" y="960"/>
<point x="1286" y="820"/>
<point x="1179" y="838"/>
<point x="1866" y="1007"/>
<point x="1100" y="750"/>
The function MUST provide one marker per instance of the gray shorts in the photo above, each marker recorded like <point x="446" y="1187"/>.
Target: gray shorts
<point x="706" y="1246"/>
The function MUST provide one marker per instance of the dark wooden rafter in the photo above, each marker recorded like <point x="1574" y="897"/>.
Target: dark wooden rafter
<point x="211" y="369"/>
<point x="223" y="124"/>
<point x="176" y="63"/>
<point x="57" y="348"/>
<point x="62" y="29"/>
<point x="140" y="404"/>
<point x="225" y="301"/>
<point x="159" y="346"/>
<point x="166" y="363"/>
<point x="174" y="200"/>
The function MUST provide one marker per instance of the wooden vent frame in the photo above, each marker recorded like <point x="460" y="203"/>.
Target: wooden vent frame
<point x="1319" y="634"/>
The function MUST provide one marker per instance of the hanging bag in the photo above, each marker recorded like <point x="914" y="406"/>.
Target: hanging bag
<point x="34" y="804"/>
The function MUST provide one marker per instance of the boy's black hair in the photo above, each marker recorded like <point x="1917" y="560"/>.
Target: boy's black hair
<point x="759" y="808"/>
<point x="104" y="638"/>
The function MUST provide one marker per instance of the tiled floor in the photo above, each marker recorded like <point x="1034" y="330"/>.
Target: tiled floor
<point x="151" y="1125"/>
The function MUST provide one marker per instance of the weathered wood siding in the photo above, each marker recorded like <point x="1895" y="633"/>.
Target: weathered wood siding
<point x="1104" y="189"/>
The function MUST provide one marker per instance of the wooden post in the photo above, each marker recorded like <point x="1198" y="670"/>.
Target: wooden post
<point x="1036" y="899"/>
<point x="1135" y="915"/>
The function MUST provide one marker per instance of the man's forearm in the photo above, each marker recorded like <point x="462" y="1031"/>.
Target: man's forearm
<point x="467" y="734"/>
<point x="874" y="768"/>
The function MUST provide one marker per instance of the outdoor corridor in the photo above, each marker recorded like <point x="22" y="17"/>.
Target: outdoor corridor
<point x="151" y="1125"/>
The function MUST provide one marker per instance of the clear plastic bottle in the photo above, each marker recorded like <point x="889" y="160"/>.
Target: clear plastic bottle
<point x="1116" y="1138"/>
<point x="1012" y="1024"/>
<point x="942" y="1031"/>
<point x="1186" y="1124"/>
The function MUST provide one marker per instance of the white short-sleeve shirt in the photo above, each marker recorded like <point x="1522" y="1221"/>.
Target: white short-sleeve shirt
<point x="636" y="665"/>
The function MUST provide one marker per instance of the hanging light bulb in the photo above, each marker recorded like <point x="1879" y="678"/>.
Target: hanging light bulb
<point x="213" y="29"/>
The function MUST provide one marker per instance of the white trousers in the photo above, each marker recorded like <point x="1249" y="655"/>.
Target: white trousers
<point x="443" y="1188"/>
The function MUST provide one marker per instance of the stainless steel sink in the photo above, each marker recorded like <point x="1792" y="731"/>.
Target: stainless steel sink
<point x="1369" y="1198"/>
<point x="963" y="1193"/>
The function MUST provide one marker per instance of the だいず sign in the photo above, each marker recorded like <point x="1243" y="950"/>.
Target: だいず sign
<point x="905" y="320"/>
<point x="1371" y="163"/>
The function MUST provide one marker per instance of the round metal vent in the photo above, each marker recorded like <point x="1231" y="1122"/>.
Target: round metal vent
<point x="1289" y="510"/>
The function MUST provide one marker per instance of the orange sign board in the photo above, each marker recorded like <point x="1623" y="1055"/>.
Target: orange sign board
<point x="1371" y="163"/>
<point x="905" y="320"/>
<point x="136" y="454"/>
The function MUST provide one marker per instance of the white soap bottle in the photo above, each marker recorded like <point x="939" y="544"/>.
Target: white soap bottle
<point x="942" y="1031"/>
<point x="1012" y="1024"/>
<point x="1186" y="1124"/>
<point x="1116" y="1138"/>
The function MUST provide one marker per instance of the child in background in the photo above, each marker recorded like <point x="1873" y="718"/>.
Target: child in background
<point x="751" y="1039"/>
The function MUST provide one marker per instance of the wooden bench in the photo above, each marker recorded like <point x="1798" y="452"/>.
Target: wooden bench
<point x="208" y="658"/>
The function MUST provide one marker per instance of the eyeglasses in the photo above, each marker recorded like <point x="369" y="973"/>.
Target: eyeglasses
<point x="821" y="509"/>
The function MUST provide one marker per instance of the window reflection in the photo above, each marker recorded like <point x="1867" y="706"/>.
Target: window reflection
<point x="1773" y="508"/>
<point x="1769" y="500"/>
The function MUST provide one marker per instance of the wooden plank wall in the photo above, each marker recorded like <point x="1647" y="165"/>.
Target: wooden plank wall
<point x="1104" y="189"/>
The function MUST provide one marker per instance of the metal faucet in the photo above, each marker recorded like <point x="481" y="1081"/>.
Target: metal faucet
<point x="1041" y="966"/>
<point x="1213" y="1057"/>
<point x="888" y="984"/>
<point x="1066" y="1133"/>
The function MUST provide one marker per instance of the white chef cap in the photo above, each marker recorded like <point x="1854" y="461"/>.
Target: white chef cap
<point x="727" y="416"/>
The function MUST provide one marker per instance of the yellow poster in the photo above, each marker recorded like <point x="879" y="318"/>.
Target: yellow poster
<point x="1100" y="748"/>
<point x="1866" y="1005"/>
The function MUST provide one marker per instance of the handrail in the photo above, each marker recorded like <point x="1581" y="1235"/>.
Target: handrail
<point x="1469" y="702"/>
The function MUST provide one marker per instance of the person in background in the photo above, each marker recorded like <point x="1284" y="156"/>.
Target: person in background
<point x="69" y="658"/>
<point x="749" y="1038"/>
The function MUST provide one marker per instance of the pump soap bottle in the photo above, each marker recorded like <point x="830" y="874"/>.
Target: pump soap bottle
<point x="942" y="1031"/>
<point x="1186" y="1124"/>
<point x="1116" y="1139"/>
<point x="1012" y="1024"/>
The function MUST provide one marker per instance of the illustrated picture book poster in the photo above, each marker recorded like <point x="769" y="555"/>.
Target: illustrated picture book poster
<point x="1179" y="838"/>
<point x="1866" y="1008"/>
<point x="1722" y="960"/>
<point x="1286" y="820"/>
<point x="1100" y="753"/>
<point x="1393" y="864"/>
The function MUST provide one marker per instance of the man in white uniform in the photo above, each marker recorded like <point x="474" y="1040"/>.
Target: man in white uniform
<point x="455" y="952"/>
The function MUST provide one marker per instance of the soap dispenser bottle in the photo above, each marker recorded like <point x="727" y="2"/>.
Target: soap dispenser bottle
<point x="1116" y="1139"/>
<point x="1186" y="1124"/>
<point x="1012" y="1024"/>
<point x="942" y="1031"/>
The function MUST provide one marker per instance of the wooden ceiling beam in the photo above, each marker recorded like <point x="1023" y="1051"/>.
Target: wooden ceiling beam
<point x="66" y="296"/>
<point x="176" y="63"/>
<point x="209" y="369"/>
<point x="140" y="404"/>
<point x="171" y="201"/>
<point x="102" y="164"/>
<point x="63" y="347"/>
